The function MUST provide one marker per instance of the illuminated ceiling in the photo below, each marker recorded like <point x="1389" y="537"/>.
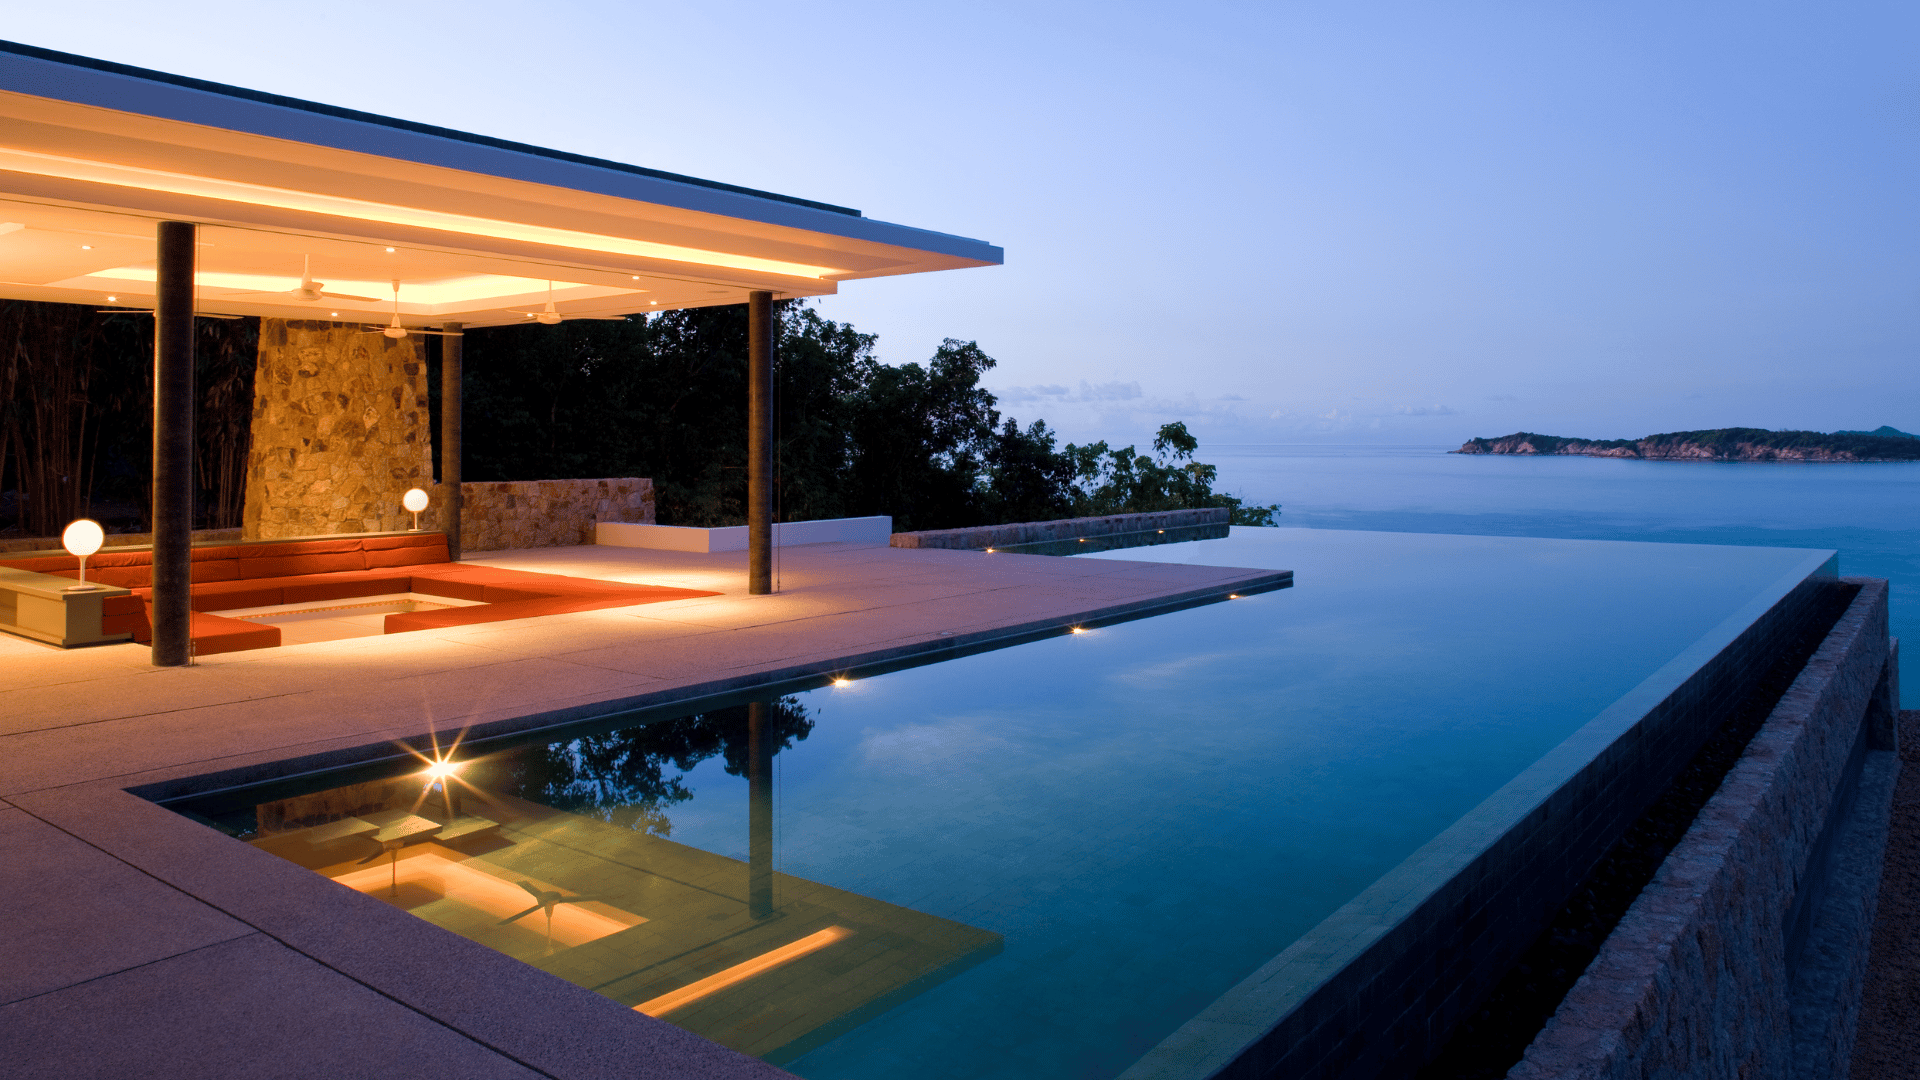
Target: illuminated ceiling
<point x="93" y="155"/>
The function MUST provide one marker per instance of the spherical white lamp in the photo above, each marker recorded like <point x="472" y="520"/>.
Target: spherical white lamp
<point x="82" y="539"/>
<point x="416" y="501"/>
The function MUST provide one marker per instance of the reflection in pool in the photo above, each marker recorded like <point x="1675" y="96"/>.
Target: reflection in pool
<point x="1037" y="861"/>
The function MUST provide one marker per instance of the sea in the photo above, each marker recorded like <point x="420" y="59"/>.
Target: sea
<point x="1869" y="512"/>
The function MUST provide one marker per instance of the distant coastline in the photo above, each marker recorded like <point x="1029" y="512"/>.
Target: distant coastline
<point x="1718" y="444"/>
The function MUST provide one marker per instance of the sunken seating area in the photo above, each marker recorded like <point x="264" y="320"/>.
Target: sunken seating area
<point x="231" y="577"/>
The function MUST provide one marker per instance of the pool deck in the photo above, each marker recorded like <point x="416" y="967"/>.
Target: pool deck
<point x="145" y="944"/>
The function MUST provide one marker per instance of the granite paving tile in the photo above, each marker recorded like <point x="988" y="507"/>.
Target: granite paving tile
<point x="201" y="1014"/>
<point x="76" y="913"/>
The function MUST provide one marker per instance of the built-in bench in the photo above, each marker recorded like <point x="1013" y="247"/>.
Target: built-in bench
<point x="230" y="576"/>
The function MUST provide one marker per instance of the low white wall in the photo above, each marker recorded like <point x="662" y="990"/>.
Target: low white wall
<point x="860" y="530"/>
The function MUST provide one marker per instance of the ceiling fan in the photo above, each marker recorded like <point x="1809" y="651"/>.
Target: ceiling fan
<point x="547" y="316"/>
<point x="310" y="290"/>
<point x="395" y="330"/>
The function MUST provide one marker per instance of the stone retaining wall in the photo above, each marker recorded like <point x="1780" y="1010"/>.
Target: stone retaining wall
<point x="541" y="513"/>
<point x="982" y="537"/>
<point x="1745" y="955"/>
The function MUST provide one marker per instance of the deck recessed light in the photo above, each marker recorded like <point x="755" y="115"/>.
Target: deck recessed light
<point x="989" y="551"/>
<point x="1076" y="630"/>
<point x="843" y="681"/>
<point x="1233" y="596"/>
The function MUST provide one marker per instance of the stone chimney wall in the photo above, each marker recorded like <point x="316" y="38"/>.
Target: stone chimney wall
<point x="340" y="430"/>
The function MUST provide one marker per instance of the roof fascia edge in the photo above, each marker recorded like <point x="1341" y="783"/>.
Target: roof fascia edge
<point x="39" y="77"/>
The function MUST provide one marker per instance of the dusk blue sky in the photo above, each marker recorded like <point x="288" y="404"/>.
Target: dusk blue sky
<point x="1343" y="222"/>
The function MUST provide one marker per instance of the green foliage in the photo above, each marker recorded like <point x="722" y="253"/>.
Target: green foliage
<point x="665" y="397"/>
<point x="1125" y="482"/>
<point x="632" y="777"/>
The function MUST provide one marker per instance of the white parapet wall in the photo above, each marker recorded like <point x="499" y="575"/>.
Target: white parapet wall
<point x="860" y="530"/>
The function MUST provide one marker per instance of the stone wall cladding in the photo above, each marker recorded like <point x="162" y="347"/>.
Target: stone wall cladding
<point x="1699" y="979"/>
<point x="1378" y="986"/>
<point x="340" y="430"/>
<point x="541" y="513"/>
<point x="982" y="537"/>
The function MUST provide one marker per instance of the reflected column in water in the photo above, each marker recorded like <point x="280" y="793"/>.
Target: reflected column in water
<point x="760" y="744"/>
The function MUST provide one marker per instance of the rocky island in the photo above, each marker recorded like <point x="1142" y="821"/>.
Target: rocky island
<point x="1718" y="444"/>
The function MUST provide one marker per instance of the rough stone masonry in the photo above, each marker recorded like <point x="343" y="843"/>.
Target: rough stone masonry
<point x="340" y="430"/>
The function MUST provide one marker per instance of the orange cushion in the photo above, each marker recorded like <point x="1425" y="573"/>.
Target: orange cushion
<point x="213" y="634"/>
<point x="121" y="605"/>
<point x="110" y="557"/>
<point x="127" y="577"/>
<point x="450" y="586"/>
<point x="215" y="570"/>
<point x="517" y="609"/>
<point x="501" y="594"/>
<point x="344" y="586"/>
<point x="225" y="595"/>
<point x="307" y="563"/>
<point x="407" y="556"/>
<point x="269" y="549"/>
<point x="526" y="609"/>
<point x="45" y="564"/>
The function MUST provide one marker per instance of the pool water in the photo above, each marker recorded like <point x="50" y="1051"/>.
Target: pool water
<point x="1037" y="861"/>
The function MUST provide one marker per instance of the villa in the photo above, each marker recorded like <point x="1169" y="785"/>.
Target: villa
<point x="419" y="778"/>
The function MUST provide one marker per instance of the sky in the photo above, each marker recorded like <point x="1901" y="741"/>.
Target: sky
<point x="1401" y="223"/>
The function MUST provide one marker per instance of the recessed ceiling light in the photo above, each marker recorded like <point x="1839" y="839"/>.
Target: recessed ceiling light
<point x="86" y="247"/>
<point x="336" y="314"/>
<point x="389" y="251"/>
<point x="113" y="299"/>
<point x="636" y="277"/>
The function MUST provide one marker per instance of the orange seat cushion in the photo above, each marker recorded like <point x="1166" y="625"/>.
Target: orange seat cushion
<point x="385" y="551"/>
<point x="214" y="634"/>
<point x="305" y="590"/>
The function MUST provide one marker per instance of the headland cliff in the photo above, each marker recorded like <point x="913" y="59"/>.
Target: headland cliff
<point x="1718" y="444"/>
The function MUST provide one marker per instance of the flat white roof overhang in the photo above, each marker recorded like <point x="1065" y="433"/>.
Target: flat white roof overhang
<point x="93" y="155"/>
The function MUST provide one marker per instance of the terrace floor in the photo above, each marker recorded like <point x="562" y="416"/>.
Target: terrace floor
<point x="141" y="943"/>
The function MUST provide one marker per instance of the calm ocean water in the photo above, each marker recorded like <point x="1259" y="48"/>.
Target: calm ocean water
<point x="1870" y="513"/>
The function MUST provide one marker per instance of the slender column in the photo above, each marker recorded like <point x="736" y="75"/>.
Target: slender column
<point x="173" y="406"/>
<point x="450" y="385"/>
<point x="759" y="812"/>
<point x="759" y="442"/>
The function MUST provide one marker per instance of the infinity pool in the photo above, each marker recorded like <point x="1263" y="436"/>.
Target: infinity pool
<point x="1037" y="861"/>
